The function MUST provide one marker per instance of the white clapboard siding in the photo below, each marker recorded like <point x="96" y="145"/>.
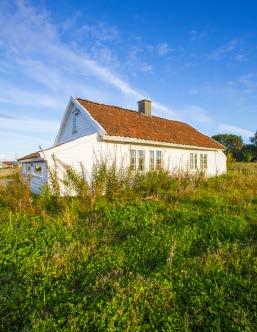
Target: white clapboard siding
<point x="85" y="126"/>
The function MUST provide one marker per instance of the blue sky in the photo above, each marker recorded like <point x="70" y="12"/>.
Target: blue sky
<point x="196" y="60"/>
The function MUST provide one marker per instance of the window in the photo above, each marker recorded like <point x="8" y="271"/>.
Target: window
<point x="141" y="160"/>
<point x="158" y="160"/>
<point x="193" y="160"/>
<point x="152" y="161"/>
<point x="137" y="160"/>
<point x="28" y="168"/>
<point x="74" y="121"/>
<point x="155" y="160"/>
<point x="38" y="169"/>
<point x="203" y="161"/>
<point x="133" y="160"/>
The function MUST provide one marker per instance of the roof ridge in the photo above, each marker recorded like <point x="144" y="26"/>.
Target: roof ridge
<point x="130" y="110"/>
<point x="94" y="102"/>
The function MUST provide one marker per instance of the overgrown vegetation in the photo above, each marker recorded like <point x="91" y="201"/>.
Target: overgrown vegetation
<point x="236" y="149"/>
<point x="131" y="253"/>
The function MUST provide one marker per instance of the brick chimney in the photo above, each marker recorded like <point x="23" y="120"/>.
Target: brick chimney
<point x="145" y="107"/>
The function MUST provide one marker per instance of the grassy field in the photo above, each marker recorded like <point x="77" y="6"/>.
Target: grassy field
<point x="150" y="254"/>
<point x="7" y="172"/>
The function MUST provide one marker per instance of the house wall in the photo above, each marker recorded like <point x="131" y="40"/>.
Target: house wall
<point x="36" y="181"/>
<point x="90" y="150"/>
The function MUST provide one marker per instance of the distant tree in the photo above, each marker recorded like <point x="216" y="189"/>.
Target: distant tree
<point x="232" y="142"/>
<point x="247" y="155"/>
<point x="254" y="139"/>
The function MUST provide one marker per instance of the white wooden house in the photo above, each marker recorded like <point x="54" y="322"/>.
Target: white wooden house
<point x="91" y="132"/>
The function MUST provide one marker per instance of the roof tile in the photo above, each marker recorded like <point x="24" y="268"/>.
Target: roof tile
<point x="118" y="121"/>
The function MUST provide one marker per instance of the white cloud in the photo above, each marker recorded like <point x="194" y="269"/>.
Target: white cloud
<point x="197" y="35"/>
<point x="38" y="38"/>
<point x="28" y="125"/>
<point x="222" y="51"/>
<point x="245" y="133"/>
<point x="21" y="97"/>
<point x="164" y="49"/>
<point x="196" y="114"/>
<point x="249" y="80"/>
<point x="99" y="31"/>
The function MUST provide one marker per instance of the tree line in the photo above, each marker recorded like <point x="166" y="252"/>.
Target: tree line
<point x="236" y="148"/>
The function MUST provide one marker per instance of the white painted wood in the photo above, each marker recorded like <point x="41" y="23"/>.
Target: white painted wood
<point x="90" y="150"/>
<point x="91" y="145"/>
<point x="86" y="125"/>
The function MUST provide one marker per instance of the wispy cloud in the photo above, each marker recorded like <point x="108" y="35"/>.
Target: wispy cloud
<point x="233" y="49"/>
<point x="6" y="117"/>
<point x="221" y="51"/>
<point x="98" y="31"/>
<point x="249" y="80"/>
<point x="163" y="49"/>
<point x="35" y="30"/>
<point x="245" y="133"/>
<point x="197" y="35"/>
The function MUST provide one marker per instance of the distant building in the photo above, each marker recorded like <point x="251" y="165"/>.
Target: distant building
<point x="8" y="164"/>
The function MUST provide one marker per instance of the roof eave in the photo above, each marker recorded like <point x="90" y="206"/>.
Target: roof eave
<point x="131" y="140"/>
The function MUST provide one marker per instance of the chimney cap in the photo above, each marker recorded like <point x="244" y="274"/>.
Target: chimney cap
<point x="144" y="100"/>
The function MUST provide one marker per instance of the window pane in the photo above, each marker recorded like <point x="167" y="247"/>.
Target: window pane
<point x="38" y="169"/>
<point x="141" y="160"/>
<point x="193" y="161"/>
<point x="201" y="161"/>
<point x="133" y="159"/>
<point x="158" y="159"/>
<point x="151" y="160"/>
<point x="205" y="161"/>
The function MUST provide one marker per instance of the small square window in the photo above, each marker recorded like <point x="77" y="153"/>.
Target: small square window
<point x="38" y="169"/>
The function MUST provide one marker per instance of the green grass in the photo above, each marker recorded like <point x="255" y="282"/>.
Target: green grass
<point x="158" y="254"/>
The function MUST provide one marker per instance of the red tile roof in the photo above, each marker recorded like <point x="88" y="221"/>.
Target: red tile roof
<point x="118" y="121"/>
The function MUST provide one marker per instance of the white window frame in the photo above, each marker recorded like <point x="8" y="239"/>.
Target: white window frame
<point x="158" y="160"/>
<point x="151" y="160"/>
<point x="155" y="160"/>
<point x="203" y="161"/>
<point x="193" y="162"/>
<point x="140" y="156"/>
<point x="136" y="155"/>
<point x="133" y="159"/>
